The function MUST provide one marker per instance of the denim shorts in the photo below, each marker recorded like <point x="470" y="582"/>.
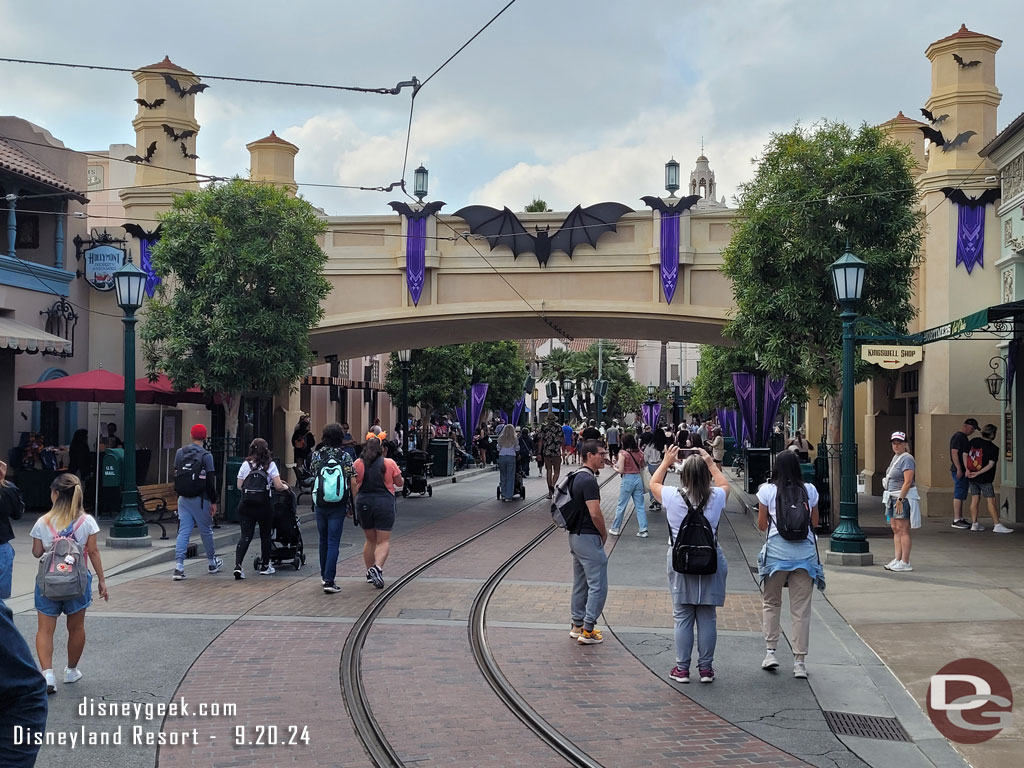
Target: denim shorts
<point x="376" y="511"/>
<point x="982" y="489"/>
<point x="959" y="485"/>
<point x="6" y="569"/>
<point x="894" y="512"/>
<point x="55" y="608"/>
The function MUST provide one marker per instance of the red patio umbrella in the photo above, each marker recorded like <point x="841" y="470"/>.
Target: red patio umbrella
<point x="164" y="393"/>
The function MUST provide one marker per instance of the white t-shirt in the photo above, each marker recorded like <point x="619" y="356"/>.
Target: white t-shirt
<point x="676" y="510"/>
<point x="41" y="530"/>
<point x="246" y="468"/>
<point x="766" y="495"/>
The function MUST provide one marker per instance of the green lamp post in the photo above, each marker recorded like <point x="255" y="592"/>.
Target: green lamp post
<point x="130" y="284"/>
<point x="849" y="545"/>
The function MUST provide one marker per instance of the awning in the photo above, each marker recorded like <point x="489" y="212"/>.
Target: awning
<point x="25" y="338"/>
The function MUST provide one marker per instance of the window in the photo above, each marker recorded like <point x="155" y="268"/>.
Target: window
<point x="908" y="383"/>
<point x="675" y="372"/>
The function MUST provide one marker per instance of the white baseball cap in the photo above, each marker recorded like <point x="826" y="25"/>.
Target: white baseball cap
<point x="898" y="436"/>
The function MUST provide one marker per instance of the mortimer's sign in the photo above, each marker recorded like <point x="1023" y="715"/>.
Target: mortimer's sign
<point x="891" y="357"/>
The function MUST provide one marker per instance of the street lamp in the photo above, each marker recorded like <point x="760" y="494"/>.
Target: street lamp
<point x="567" y="389"/>
<point x="419" y="183"/>
<point x="994" y="381"/>
<point x="849" y="545"/>
<point x="129" y="527"/>
<point x="405" y="361"/>
<point x="672" y="177"/>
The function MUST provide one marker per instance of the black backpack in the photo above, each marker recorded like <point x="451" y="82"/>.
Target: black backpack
<point x="694" y="549"/>
<point x="190" y="474"/>
<point x="792" y="512"/>
<point x="256" y="484"/>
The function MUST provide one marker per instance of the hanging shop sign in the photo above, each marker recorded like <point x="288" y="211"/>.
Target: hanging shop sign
<point x="101" y="262"/>
<point x="891" y="356"/>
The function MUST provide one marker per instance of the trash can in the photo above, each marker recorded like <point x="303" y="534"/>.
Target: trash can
<point x="758" y="466"/>
<point x="232" y="495"/>
<point x="111" y="475"/>
<point x="442" y="453"/>
<point x="730" y="451"/>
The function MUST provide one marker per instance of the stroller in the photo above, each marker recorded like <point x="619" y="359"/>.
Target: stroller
<point x="520" y="486"/>
<point x="286" y="543"/>
<point x="417" y="465"/>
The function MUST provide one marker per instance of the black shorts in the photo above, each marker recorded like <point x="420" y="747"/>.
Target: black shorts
<point x="376" y="511"/>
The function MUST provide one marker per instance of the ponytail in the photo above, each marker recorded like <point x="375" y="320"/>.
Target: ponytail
<point x="69" y="504"/>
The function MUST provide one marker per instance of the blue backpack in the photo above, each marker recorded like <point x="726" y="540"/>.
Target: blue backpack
<point x="329" y="486"/>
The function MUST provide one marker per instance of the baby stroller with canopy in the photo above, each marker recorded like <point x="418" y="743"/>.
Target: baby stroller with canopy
<point x="286" y="539"/>
<point x="417" y="465"/>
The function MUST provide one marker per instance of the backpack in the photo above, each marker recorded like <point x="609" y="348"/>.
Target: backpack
<point x="256" y="484"/>
<point x="329" y="485"/>
<point x="63" y="573"/>
<point x="975" y="459"/>
<point x="565" y="510"/>
<point x="190" y="474"/>
<point x="792" y="512"/>
<point x="694" y="549"/>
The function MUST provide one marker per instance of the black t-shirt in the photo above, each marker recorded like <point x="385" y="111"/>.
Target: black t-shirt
<point x="584" y="489"/>
<point x="989" y="451"/>
<point x="591" y="433"/>
<point x="959" y="443"/>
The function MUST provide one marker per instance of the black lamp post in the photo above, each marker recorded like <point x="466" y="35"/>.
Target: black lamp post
<point x="651" y="389"/>
<point x="405" y="361"/>
<point x="848" y="538"/>
<point x="419" y="183"/>
<point x="672" y="177"/>
<point x="567" y="389"/>
<point x="130" y="283"/>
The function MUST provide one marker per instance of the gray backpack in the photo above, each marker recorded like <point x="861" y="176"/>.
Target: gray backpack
<point x="63" y="573"/>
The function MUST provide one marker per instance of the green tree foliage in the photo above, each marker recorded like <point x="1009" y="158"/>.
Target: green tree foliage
<point x="242" y="289"/>
<point x="713" y="388"/>
<point x="537" y="206"/>
<point x="500" y="364"/>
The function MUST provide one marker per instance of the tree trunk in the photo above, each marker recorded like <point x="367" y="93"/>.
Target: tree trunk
<point x="426" y="412"/>
<point x="834" y="437"/>
<point x="232" y="402"/>
<point x="663" y="367"/>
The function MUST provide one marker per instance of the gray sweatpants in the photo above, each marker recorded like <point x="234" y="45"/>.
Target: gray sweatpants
<point x="589" y="578"/>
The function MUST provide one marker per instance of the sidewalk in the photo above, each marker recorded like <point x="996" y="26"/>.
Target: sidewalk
<point x="964" y="599"/>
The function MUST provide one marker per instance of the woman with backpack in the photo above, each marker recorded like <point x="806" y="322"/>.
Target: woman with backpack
<point x="374" y="486"/>
<point x="630" y="465"/>
<point x="693" y="512"/>
<point x="508" y="450"/>
<point x="787" y="508"/>
<point x="257" y="475"/>
<point x="65" y="520"/>
<point x="652" y="455"/>
<point x="332" y="470"/>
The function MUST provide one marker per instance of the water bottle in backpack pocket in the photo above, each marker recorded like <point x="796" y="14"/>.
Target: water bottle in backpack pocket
<point x="694" y="548"/>
<point x="63" y="573"/>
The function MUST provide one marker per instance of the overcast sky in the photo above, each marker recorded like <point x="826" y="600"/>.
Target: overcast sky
<point x="569" y="101"/>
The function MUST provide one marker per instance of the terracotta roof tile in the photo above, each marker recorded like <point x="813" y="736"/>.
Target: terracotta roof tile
<point x="963" y="32"/>
<point x="902" y="119"/>
<point x="15" y="160"/>
<point x="168" y="64"/>
<point x="273" y="138"/>
<point x="628" y="346"/>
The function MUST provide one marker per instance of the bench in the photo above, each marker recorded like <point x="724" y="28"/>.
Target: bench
<point x="160" y="500"/>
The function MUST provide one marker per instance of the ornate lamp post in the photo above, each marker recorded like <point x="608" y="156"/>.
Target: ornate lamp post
<point x="672" y="177"/>
<point x="849" y="546"/>
<point x="405" y="361"/>
<point x="129" y="527"/>
<point x="419" y="183"/>
<point x="567" y="389"/>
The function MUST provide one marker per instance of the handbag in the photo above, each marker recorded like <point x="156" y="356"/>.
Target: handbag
<point x="645" y="475"/>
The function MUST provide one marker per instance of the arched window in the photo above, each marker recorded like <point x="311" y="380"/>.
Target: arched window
<point x="46" y="417"/>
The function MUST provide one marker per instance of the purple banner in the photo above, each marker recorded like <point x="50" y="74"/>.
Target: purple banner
<point x="656" y="413"/>
<point x="503" y="415"/>
<point x="477" y="395"/>
<point x="733" y="423"/>
<point x="774" y="391"/>
<point x="146" y="265"/>
<point x="517" y="411"/>
<point x="460" y="414"/>
<point x="415" y="257"/>
<point x="723" y="421"/>
<point x="645" y="413"/>
<point x="970" y="236"/>
<point x="669" y="254"/>
<point x="745" y="385"/>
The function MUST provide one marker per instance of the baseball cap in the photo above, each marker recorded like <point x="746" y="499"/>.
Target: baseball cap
<point x="898" y="436"/>
<point x="198" y="432"/>
<point x="972" y="422"/>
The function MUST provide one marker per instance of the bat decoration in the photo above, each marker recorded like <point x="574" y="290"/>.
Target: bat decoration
<point x="960" y="140"/>
<point x="185" y="153"/>
<point x="681" y="205"/>
<point x="150" y="150"/>
<point x="965" y="64"/>
<point x="411" y="213"/>
<point x="150" y="104"/>
<point x="960" y="197"/>
<point x="140" y="234"/>
<point x="176" y="136"/>
<point x="931" y="118"/>
<point x="581" y="226"/>
<point x="175" y="86"/>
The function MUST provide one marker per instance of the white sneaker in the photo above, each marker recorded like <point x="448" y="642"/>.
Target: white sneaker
<point x="51" y="681"/>
<point x="1000" y="528"/>
<point x="72" y="675"/>
<point x="800" y="670"/>
<point x="977" y="527"/>
<point x="614" y="531"/>
<point x="267" y="570"/>
<point x="888" y="566"/>
<point x="770" y="662"/>
<point x="901" y="566"/>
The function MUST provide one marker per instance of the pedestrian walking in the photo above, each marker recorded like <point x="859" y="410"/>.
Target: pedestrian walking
<point x="66" y="520"/>
<point x="959" y="444"/>
<point x="652" y="455"/>
<point x="590" y="432"/>
<point x="612" y="437"/>
<point x="630" y="466"/>
<point x="550" y="448"/>
<point x="526" y="451"/>
<point x="801" y="445"/>
<point x="901" y="501"/>
<point x="508" y="450"/>
<point x="256" y="477"/>
<point x="374" y="486"/>
<point x="786" y="505"/>
<point x="695" y="598"/>
<point x="980" y="461"/>
<point x="333" y="471"/>
<point x="481" y="442"/>
<point x="196" y="484"/>
<point x="79" y="457"/>
<point x="12" y="507"/>
<point x="22" y="696"/>
<point x="569" y="451"/>
<point x="586" y="543"/>
<point x="717" y="447"/>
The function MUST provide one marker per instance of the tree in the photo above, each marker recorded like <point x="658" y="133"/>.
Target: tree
<point x="584" y="366"/>
<point x="713" y="387"/>
<point x="556" y="367"/>
<point x="537" y="206"/>
<point x="244" y="290"/>
<point x="500" y="364"/>
<point x="437" y="379"/>
<point x="815" y="191"/>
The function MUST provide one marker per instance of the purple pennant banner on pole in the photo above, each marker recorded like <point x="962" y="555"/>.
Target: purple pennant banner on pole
<point x="146" y="265"/>
<point x="746" y="395"/>
<point x="669" y="254"/>
<point x="774" y="391"/>
<point x="477" y="395"/>
<point x="970" y="236"/>
<point x="655" y="413"/>
<point x="504" y="416"/>
<point x="460" y="414"/>
<point x="415" y="257"/>
<point x="733" y="425"/>
<point x="723" y="421"/>
<point x="517" y="411"/>
<point x="645" y="413"/>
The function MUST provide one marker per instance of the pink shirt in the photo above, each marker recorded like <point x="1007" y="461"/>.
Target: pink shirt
<point x="391" y="474"/>
<point x="630" y="463"/>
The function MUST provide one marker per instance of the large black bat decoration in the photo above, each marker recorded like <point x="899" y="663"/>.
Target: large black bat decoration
<point x="150" y="104"/>
<point x="961" y="198"/>
<point x="429" y="209"/>
<point x="583" y="226"/>
<point x="947" y="144"/>
<point x="186" y="154"/>
<point x="965" y="64"/>
<point x="177" y="136"/>
<point x="150" y="151"/>
<point x="140" y="234"/>
<point x="175" y="86"/>
<point x="680" y="205"/>
<point x="961" y="139"/>
<point x="932" y="118"/>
